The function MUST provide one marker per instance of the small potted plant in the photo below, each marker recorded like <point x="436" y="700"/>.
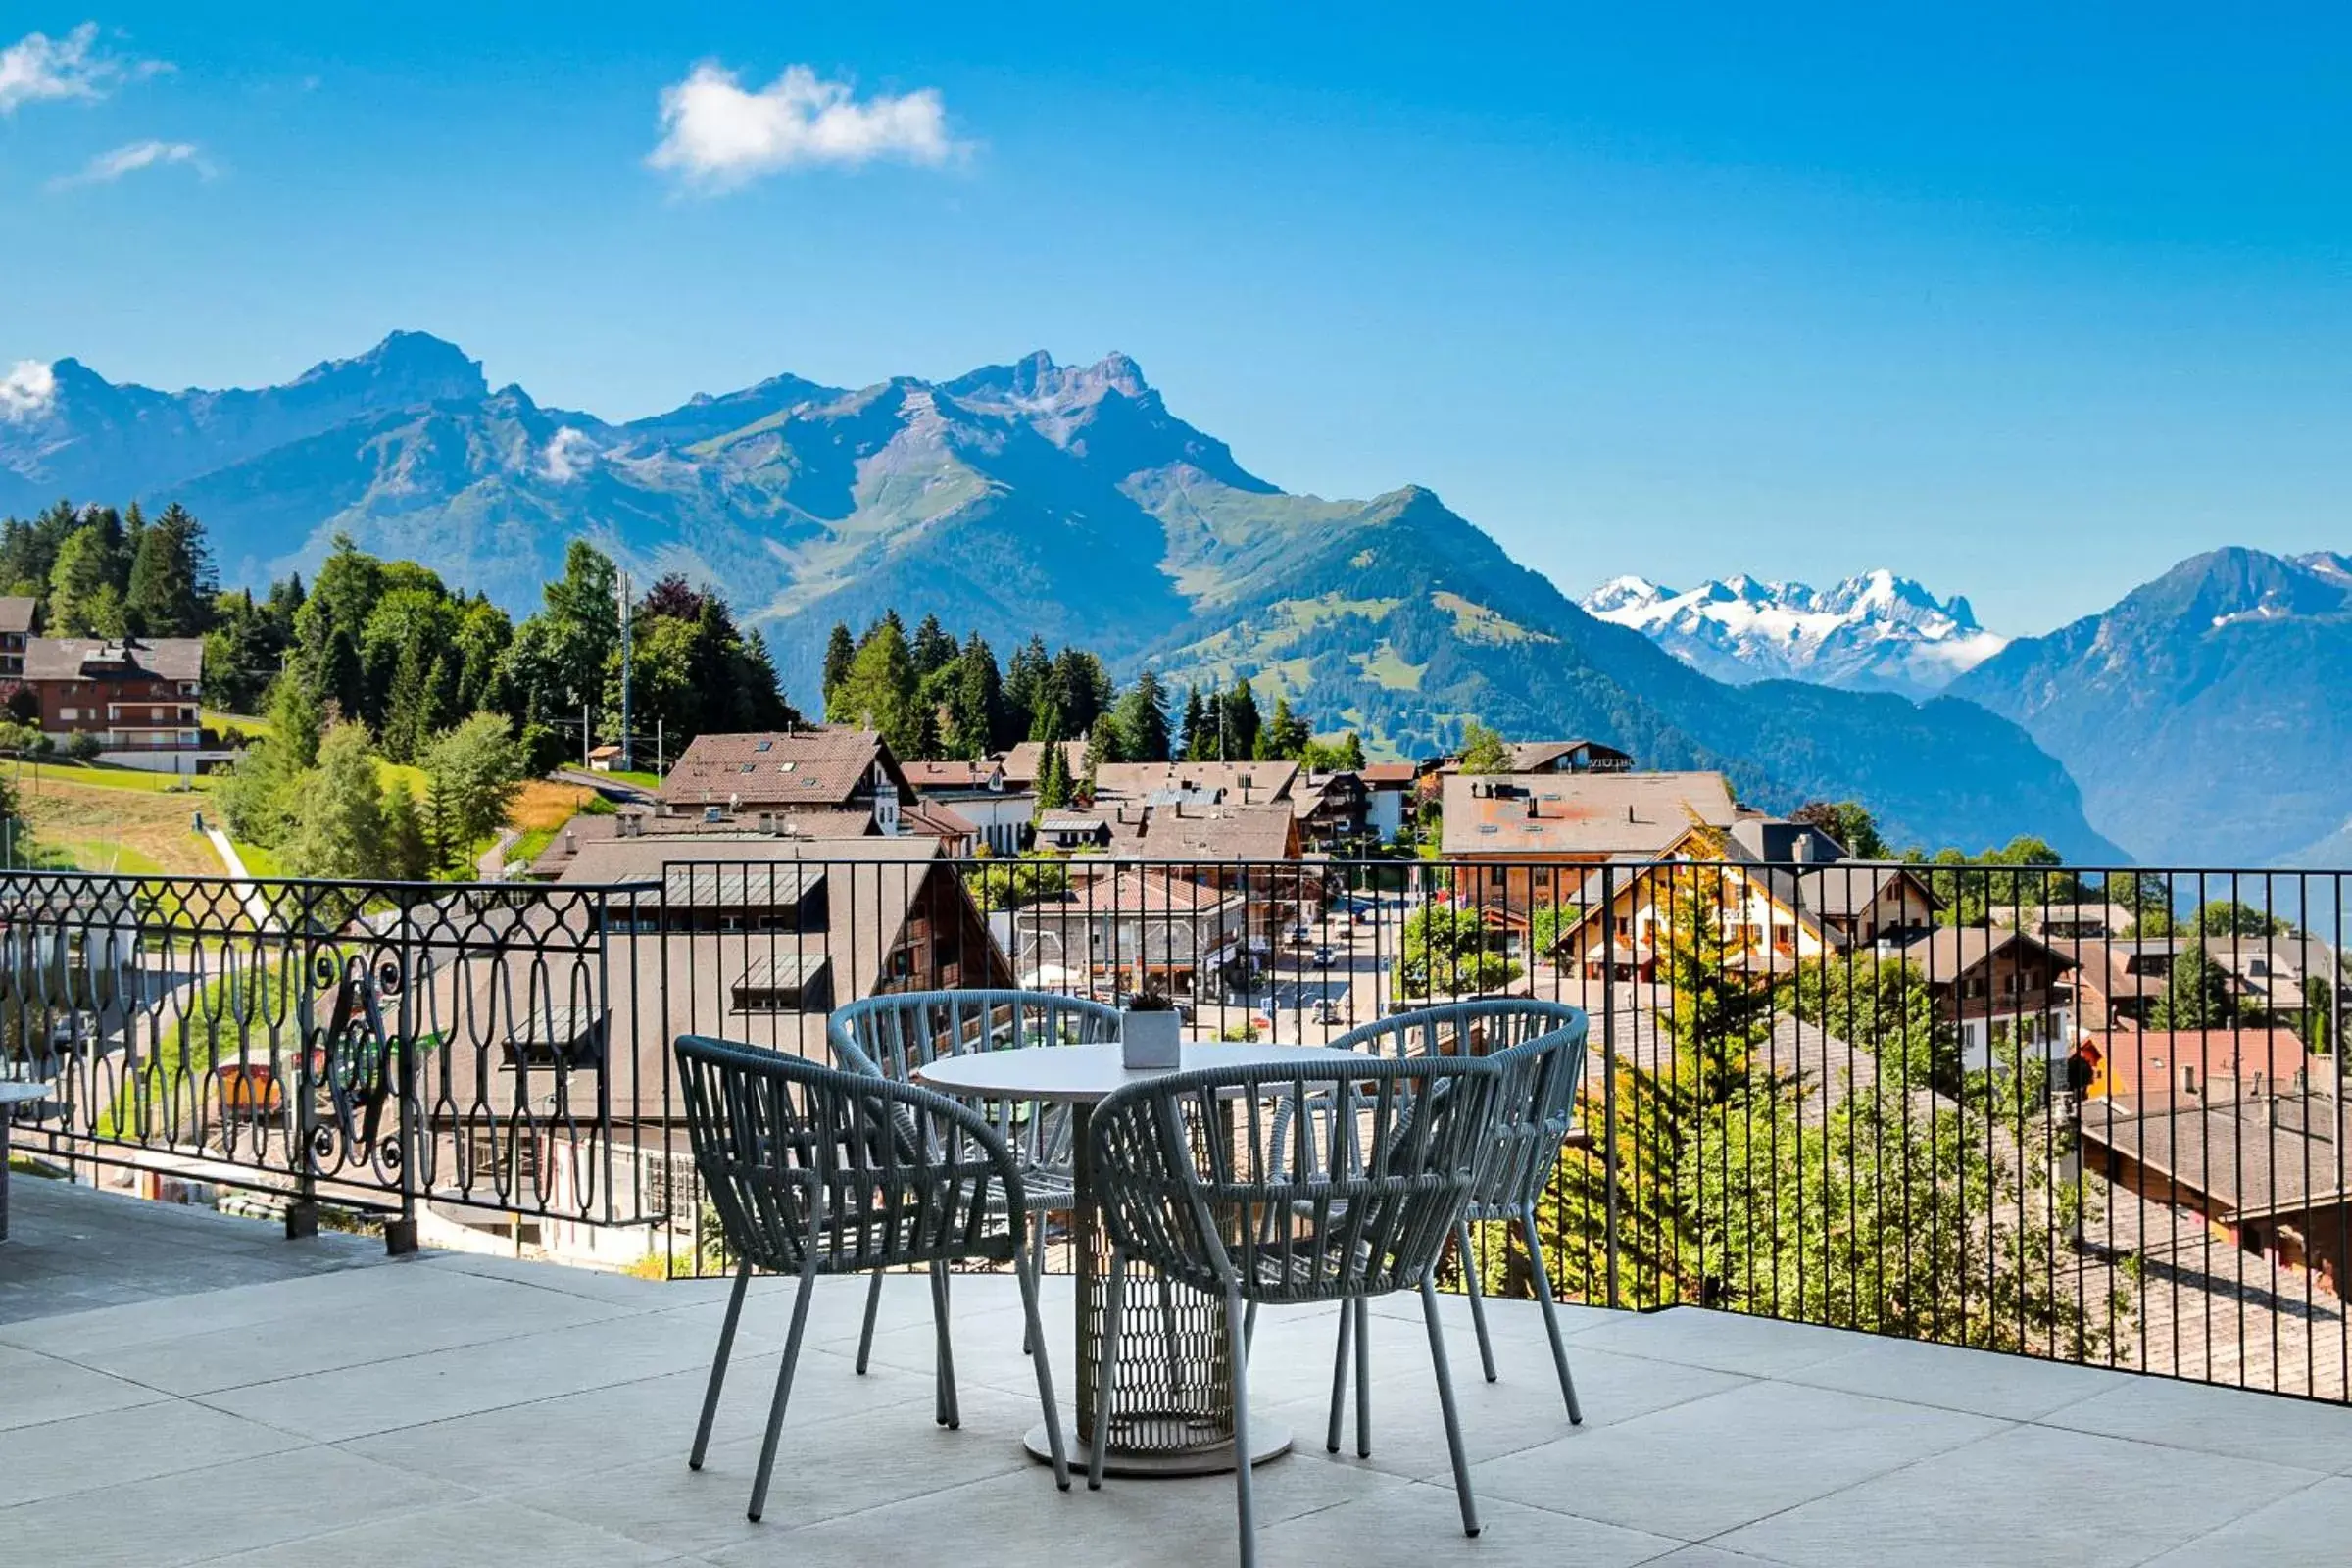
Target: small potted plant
<point x="1151" y="1032"/>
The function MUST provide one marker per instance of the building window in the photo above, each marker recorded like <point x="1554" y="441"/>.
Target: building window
<point x="68" y="714"/>
<point x="669" y="1183"/>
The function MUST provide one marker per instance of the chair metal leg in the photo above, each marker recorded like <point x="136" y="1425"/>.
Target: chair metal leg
<point x="1037" y="1269"/>
<point x="1551" y="1319"/>
<point x="948" y="1412"/>
<point x="776" y="1411"/>
<point x="1044" y="1376"/>
<point x="1477" y="1297"/>
<point x="1107" y="1369"/>
<point x="1245" y="1502"/>
<point x="719" y="1366"/>
<point x="1249" y="1325"/>
<point x="1363" y="1377"/>
<point x="1453" y="1420"/>
<point x="865" y="1334"/>
<point x="1339" y="1377"/>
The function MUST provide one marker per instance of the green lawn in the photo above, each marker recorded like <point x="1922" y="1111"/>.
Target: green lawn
<point x="387" y="773"/>
<point x="637" y="776"/>
<point x="111" y="777"/>
<point x="257" y="860"/>
<point x="100" y="854"/>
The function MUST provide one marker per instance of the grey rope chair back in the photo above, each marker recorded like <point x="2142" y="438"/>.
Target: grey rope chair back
<point x="1366" y="1212"/>
<point x="863" y="1173"/>
<point x="896" y="1036"/>
<point x="815" y="1171"/>
<point x="1539" y="1046"/>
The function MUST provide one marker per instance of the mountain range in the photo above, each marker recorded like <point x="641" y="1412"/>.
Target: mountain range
<point x="2205" y="715"/>
<point x="1876" y="632"/>
<point x="1020" y="499"/>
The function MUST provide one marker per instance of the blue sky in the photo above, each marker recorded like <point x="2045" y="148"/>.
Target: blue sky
<point x="2029" y="306"/>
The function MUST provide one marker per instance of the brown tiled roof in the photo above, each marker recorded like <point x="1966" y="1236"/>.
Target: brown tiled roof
<point x="1238" y="783"/>
<point x="954" y="775"/>
<point x="16" y="612"/>
<point x="1214" y="833"/>
<point x="1391" y="772"/>
<point x="1023" y="763"/>
<point x="1950" y="951"/>
<point x="713" y="839"/>
<point x="936" y="819"/>
<point x="2248" y="1158"/>
<point x="2143" y="1066"/>
<point x="147" y="658"/>
<point x="803" y="767"/>
<point x="1580" y="813"/>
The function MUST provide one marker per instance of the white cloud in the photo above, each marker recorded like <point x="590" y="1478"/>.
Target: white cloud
<point x="717" y="135"/>
<point x="568" y="455"/>
<point x="37" y="69"/>
<point x="26" y="391"/>
<point x="107" y="168"/>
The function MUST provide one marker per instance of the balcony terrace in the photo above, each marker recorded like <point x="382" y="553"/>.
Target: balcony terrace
<point x="177" y="1386"/>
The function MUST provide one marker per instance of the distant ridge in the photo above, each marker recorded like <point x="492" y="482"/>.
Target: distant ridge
<point x="1875" y="632"/>
<point x="1029" y="498"/>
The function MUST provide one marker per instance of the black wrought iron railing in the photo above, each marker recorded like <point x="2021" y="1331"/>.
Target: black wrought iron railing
<point x="2090" y="1114"/>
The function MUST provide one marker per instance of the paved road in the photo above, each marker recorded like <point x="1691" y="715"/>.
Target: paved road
<point x="256" y="908"/>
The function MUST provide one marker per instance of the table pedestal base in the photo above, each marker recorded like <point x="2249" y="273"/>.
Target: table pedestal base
<point x="1269" y="1439"/>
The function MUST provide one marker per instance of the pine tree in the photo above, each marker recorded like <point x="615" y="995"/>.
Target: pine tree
<point x="840" y="650"/>
<point x="409" y="856"/>
<point x="83" y="599"/>
<point x="1143" y="720"/>
<point x="1195" y="719"/>
<point x="1286" y="738"/>
<point x="1027" y="680"/>
<point x="1240" y="740"/>
<point x="934" y="650"/>
<point x="879" y="691"/>
<point x="1053" y="780"/>
<point x="412" y="713"/>
<point x="975" y="705"/>
<point x="170" y="582"/>
<point x="1101" y="745"/>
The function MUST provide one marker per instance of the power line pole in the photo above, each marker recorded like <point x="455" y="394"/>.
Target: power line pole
<point x="625" y="646"/>
<point x="586" y="738"/>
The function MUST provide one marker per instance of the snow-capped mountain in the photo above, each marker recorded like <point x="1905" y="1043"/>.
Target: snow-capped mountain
<point x="1876" y="632"/>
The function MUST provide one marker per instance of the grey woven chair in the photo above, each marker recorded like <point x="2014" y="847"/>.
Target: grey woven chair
<point x="1193" y="1183"/>
<point x="815" y="1171"/>
<point x="896" y="1036"/>
<point x="1539" y="1046"/>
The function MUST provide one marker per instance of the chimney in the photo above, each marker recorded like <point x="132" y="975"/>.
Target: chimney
<point x="571" y="842"/>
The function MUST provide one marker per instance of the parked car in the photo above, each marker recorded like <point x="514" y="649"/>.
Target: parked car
<point x="1323" y="957"/>
<point x="1326" y="1010"/>
<point x="1300" y="936"/>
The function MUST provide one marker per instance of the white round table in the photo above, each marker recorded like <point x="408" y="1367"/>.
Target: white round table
<point x="1192" y="1332"/>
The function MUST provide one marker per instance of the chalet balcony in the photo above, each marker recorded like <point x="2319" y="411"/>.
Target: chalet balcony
<point x="183" y="1387"/>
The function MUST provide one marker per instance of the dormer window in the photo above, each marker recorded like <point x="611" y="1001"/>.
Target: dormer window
<point x="765" y="746"/>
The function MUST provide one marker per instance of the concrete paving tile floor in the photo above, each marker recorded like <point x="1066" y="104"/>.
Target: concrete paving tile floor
<point x="237" y="1399"/>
